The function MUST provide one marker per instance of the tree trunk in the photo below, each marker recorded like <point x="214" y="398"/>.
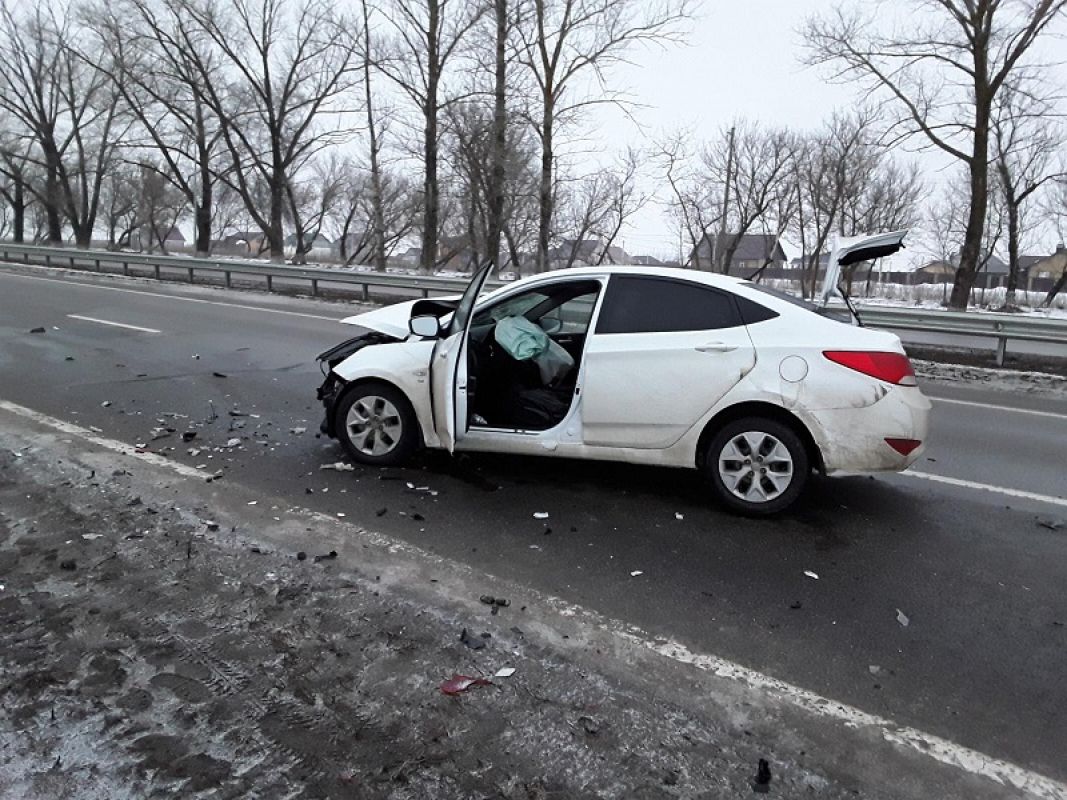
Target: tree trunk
<point x="544" y="225"/>
<point x="204" y="208"/>
<point x="55" y="221"/>
<point x="275" y="231"/>
<point x="18" y="210"/>
<point x="496" y="181"/>
<point x="979" y="187"/>
<point x="1013" y="254"/>
<point x="377" y="211"/>
<point x="431" y="199"/>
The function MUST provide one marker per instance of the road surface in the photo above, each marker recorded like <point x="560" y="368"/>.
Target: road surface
<point x="980" y="581"/>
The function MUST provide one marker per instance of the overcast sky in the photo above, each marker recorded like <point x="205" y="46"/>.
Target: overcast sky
<point x="743" y="60"/>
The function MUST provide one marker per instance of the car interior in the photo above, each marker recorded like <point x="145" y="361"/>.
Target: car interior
<point x="524" y="356"/>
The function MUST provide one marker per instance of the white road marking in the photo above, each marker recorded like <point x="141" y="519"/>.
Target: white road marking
<point x="993" y="407"/>
<point x="986" y="487"/>
<point x="102" y="441"/>
<point x="113" y="324"/>
<point x="942" y="750"/>
<point x="172" y="297"/>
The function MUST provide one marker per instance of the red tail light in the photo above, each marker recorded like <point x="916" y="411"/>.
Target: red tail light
<point x="888" y="367"/>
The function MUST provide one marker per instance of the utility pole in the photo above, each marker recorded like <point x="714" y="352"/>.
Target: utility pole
<point x="719" y="248"/>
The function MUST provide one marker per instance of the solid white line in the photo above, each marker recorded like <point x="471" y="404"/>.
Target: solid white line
<point x="113" y="324"/>
<point x="992" y="407"/>
<point x="102" y="441"/>
<point x="171" y="296"/>
<point x="986" y="487"/>
<point x="935" y="747"/>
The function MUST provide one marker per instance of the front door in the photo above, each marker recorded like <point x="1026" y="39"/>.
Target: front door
<point x="664" y="352"/>
<point x="448" y="367"/>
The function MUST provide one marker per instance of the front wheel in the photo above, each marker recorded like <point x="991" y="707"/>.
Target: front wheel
<point x="377" y="425"/>
<point x="757" y="466"/>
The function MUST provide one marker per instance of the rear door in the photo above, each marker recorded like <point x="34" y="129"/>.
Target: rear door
<point x="448" y="367"/>
<point x="664" y="352"/>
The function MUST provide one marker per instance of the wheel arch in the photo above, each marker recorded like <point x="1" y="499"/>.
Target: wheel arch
<point x="757" y="408"/>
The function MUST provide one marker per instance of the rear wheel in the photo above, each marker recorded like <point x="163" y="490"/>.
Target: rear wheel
<point x="377" y="425"/>
<point x="757" y="466"/>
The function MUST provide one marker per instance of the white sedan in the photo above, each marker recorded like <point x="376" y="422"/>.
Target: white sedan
<point x="670" y="367"/>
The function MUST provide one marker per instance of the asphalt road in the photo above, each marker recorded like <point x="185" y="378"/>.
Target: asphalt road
<point x="981" y="582"/>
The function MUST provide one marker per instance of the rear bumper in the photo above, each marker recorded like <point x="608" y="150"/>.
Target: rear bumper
<point x="854" y="439"/>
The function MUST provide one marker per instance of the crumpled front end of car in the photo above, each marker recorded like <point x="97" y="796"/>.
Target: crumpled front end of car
<point x="333" y="386"/>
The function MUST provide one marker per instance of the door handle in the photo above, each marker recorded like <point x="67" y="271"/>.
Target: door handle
<point x="715" y="347"/>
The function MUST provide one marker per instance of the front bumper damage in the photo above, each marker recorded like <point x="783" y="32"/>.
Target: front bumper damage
<point x="329" y="393"/>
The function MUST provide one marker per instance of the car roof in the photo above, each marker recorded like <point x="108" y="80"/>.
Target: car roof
<point x="699" y="276"/>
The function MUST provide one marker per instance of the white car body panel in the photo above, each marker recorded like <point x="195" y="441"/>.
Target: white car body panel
<point x="777" y="361"/>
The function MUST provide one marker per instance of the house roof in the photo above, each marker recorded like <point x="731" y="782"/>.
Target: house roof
<point x="751" y="247"/>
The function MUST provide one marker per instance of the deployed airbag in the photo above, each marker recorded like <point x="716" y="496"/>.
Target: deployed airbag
<point x="525" y="341"/>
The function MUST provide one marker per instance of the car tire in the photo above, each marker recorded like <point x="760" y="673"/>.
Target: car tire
<point x="757" y="466"/>
<point x="377" y="425"/>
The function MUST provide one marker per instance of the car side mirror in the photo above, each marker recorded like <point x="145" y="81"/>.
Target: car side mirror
<point x="426" y="327"/>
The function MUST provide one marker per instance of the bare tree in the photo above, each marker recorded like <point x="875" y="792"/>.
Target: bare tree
<point x="66" y="107"/>
<point x="361" y="233"/>
<point x="691" y="204"/>
<point x="429" y="35"/>
<point x="292" y="67"/>
<point x="568" y="43"/>
<point x="943" y="70"/>
<point x="1026" y="140"/>
<point x="16" y="175"/>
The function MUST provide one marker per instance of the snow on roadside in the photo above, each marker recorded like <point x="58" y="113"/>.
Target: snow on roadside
<point x="1002" y="379"/>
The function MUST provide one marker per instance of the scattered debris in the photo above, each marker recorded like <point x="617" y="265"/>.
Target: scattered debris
<point x="381" y="512"/>
<point x="902" y="618"/>
<point x="90" y="537"/>
<point x="811" y="574"/>
<point x="233" y="442"/>
<point x="1051" y="524"/>
<point x="762" y="784"/>
<point x="105" y="404"/>
<point x="297" y="431"/>
<point x="211" y="525"/>
<point x="795" y="605"/>
<point x="636" y="573"/>
<point x="679" y="516"/>
<point x="301" y="556"/>
<point x="339" y="466"/>
<point x="458" y="684"/>
<point x="37" y="330"/>
<point x="589" y="725"/>
<point x="488" y="599"/>
<point x="330" y="556"/>
<point x="220" y="374"/>
<point x="188" y="436"/>
<point x="874" y="669"/>
<point x="504" y="672"/>
<point x="473" y="642"/>
<point x="418" y="517"/>
<point x="233" y="412"/>
<point x="69" y="358"/>
<point x="69" y="564"/>
<point x="540" y="515"/>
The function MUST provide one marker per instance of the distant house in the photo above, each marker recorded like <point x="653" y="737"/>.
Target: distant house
<point x="243" y="242"/>
<point x="753" y="251"/>
<point x="801" y="262"/>
<point x="587" y="252"/>
<point x="355" y="248"/>
<point x="147" y="239"/>
<point x="321" y="246"/>
<point x="1048" y="267"/>
<point x="646" y="261"/>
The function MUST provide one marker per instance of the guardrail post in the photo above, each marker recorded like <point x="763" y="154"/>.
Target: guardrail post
<point x="158" y="277"/>
<point x="190" y="274"/>
<point x="48" y="260"/>
<point x="270" y="284"/>
<point x="125" y="268"/>
<point x="1002" y="349"/>
<point x="314" y="287"/>
<point x="366" y="293"/>
<point x="96" y="261"/>
<point x="227" y="273"/>
<point x="425" y="292"/>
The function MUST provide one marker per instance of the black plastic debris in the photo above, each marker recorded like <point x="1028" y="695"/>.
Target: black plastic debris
<point x="473" y="642"/>
<point x="220" y="374"/>
<point x="37" y="330"/>
<point x="418" y="517"/>
<point x="762" y="784"/>
<point x="330" y="556"/>
<point x="589" y="725"/>
<point x="69" y="564"/>
<point x="69" y="358"/>
<point x="301" y="556"/>
<point x="381" y="512"/>
<point x="795" y="605"/>
<point x="1051" y="524"/>
<point x="188" y="436"/>
<point x="488" y="599"/>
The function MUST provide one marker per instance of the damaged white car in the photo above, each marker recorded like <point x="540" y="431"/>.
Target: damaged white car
<point x="671" y="367"/>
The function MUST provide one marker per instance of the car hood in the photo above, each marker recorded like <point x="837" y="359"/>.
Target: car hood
<point x="393" y="320"/>
<point x="390" y="320"/>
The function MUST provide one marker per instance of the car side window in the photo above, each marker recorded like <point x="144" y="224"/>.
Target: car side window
<point x="660" y="305"/>
<point x="514" y="306"/>
<point x="573" y="316"/>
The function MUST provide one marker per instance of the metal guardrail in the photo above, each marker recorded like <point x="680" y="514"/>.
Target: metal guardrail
<point x="1000" y="327"/>
<point x="161" y="266"/>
